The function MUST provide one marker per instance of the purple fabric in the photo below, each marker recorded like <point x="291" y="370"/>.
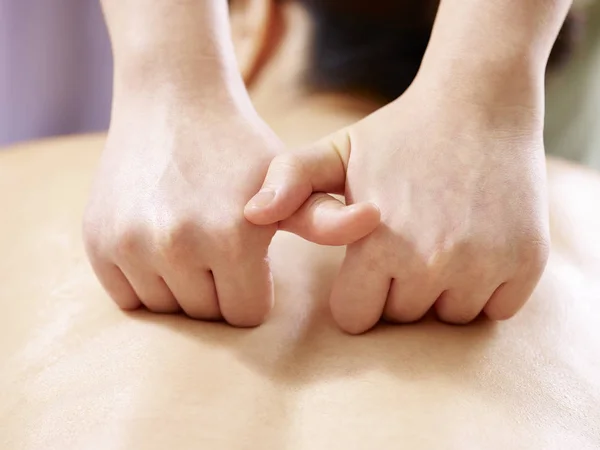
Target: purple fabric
<point x="55" y="68"/>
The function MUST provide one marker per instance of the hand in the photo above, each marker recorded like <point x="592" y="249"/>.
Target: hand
<point x="164" y="226"/>
<point x="462" y="193"/>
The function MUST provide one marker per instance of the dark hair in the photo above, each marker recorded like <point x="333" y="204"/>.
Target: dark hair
<point x="376" y="46"/>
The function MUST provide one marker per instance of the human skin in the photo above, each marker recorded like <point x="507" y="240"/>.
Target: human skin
<point x="164" y="225"/>
<point x="76" y="372"/>
<point x="175" y="67"/>
<point x="456" y="166"/>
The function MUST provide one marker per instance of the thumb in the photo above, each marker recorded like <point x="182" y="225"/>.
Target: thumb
<point x="293" y="177"/>
<point x="325" y="220"/>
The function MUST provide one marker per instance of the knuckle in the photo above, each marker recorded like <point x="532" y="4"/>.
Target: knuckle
<point x="288" y="160"/>
<point x="379" y="257"/>
<point x="91" y="240"/>
<point x="233" y="236"/>
<point x="232" y="245"/>
<point x="434" y="260"/>
<point x="456" y="319"/>
<point x="500" y="314"/>
<point x="397" y="312"/>
<point x="129" y="241"/>
<point x="290" y="163"/>
<point x="534" y="252"/>
<point x="90" y="229"/>
<point x="437" y="252"/>
<point x="207" y="314"/>
<point x="246" y="319"/>
<point x="175" y="242"/>
<point x="316" y="200"/>
<point x="164" y="307"/>
<point x="454" y="311"/>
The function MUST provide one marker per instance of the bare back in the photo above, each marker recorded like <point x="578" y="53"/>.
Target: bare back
<point x="77" y="373"/>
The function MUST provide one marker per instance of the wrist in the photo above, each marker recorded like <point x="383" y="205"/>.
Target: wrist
<point x="147" y="81"/>
<point x="184" y="82"/>
<point x="172" y="50"/>
<point x="493" y="51"/>
<point x="167" y="101"/>
<point x="511" y="81"/>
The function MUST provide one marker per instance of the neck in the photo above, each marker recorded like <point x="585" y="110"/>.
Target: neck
<point x="311" y="117"/>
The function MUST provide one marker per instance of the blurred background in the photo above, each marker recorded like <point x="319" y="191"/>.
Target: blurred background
<point x="55" y="77"/>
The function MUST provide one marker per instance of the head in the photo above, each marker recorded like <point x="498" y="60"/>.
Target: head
<point x="352" y="46"/>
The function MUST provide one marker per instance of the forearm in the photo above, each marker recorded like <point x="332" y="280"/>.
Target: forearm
<point x="178" y="45"/>
<point x="503" y="43"/>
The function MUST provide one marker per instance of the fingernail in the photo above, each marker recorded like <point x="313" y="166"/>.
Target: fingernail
<point x="262" y="199"/>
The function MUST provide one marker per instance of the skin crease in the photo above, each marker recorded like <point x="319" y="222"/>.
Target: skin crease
<point x="464" y="213"/>
<point x="78" y="373"/>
